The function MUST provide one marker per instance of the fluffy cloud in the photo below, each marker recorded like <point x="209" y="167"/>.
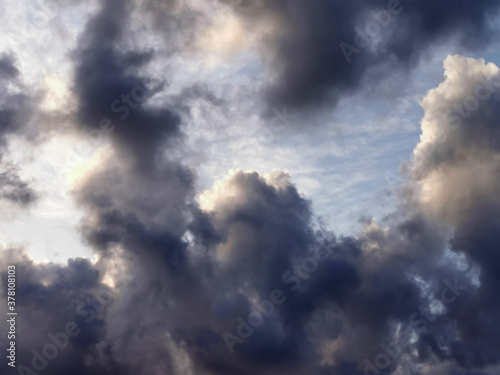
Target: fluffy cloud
<point x="456" y="166"/>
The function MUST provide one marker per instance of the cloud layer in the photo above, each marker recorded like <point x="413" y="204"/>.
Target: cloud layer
<point x="245" y="279"/>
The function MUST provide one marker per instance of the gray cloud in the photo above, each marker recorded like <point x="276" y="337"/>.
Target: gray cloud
<point x="459" y="159"/>
<point x="14" y="189"/>
<point x="15" y="110"/>
<point x="313" y="68"/>
<point x="174" y="276"/>
<point x="8" y="70"/>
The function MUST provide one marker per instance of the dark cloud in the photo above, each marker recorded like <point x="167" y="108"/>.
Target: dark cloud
<point x="305" y="47"/>
<point x="15" y="111"/>
<point x="14" y="105"/>
<point x="111" y="93"/>
<point x="8" y="69"/>
<point x="14" y="189"/>
<point x="49" y="297"/>
<point x="180" y="297"/>
<point x="109" y="88"/>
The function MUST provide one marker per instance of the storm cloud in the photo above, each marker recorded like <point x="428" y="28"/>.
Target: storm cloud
<point x="324" y="50"/>
<point x="243" y="278"/>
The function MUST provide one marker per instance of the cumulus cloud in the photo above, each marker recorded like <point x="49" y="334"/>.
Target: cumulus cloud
<point x="458" y="142"/>
<point x="456" y="166"/>
<point x="397" y="288"/>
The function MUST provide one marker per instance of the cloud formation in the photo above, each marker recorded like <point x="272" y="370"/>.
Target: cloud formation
<point x="15" y="109"/>
<point x="245" y="280"/>
<point x="324" y="50"/>
<point x="459" y="149"/>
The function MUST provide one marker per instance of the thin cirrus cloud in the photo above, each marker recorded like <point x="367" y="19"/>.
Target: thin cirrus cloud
<point x="243" y="277"/>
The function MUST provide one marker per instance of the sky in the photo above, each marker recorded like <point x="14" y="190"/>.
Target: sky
<point x="250" y="186"/>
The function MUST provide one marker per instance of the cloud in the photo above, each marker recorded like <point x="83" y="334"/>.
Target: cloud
<point x="242" y="278"/>
<point x="8" y="70"/>
<point x="111" y="95"/>
<point x="456" y="165"/>
<point x="395" y="287"/>
<point x="321" y="51"/>
<point x="13" y="189"/>
<point x="15" y="113"/>
<point x="51" y="298"/>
